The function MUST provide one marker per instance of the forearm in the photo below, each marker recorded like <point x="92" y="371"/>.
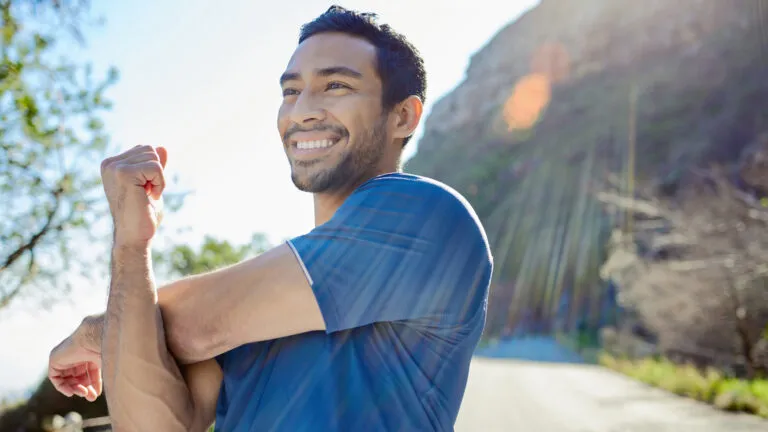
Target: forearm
<point x="179" y="339"/>
<point x="143" y="385"/>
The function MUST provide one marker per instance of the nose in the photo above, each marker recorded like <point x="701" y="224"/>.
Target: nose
<point x="307" y="109"/>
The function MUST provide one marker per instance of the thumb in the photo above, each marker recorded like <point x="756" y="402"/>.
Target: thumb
<point x="163" y="153"/>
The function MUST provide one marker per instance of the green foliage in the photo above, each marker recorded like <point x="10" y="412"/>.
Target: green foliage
<point x="709" y="386"/>
<point x="52" y="140"/>
<point x="183" y="260"/>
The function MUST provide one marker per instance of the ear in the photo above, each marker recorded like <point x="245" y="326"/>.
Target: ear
<point x="407" y="116"/>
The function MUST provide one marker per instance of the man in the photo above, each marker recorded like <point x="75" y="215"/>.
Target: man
<point x="366" y="323"/>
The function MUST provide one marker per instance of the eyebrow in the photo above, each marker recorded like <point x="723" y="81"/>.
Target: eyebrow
<point x="324" y="72"/>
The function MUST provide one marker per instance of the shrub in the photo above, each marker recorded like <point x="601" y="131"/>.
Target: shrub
<point x="709" y="385"/>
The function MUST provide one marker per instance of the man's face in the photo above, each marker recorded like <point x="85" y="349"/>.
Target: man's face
<point x="331" y="121"/>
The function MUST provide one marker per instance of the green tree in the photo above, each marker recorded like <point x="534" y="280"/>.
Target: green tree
<point x="183" y="260"/>
<point x="52" y="140"/>
<point x="176" y="261"/>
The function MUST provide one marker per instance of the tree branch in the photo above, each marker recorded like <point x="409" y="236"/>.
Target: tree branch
<point x="35" y="239"/>
<point x="6" y="298"/>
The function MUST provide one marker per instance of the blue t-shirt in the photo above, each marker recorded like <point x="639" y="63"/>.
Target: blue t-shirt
<point x="401" y="273"/>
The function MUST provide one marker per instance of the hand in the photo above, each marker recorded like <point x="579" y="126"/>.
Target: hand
<point x="134" y="183"/>
<point x="74" y="368"/>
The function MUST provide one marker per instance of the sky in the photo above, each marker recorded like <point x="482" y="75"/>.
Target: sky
<point x="201" y="79"/>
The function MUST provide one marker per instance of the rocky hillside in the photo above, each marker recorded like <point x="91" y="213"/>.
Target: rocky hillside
<point x="571" y="92"/>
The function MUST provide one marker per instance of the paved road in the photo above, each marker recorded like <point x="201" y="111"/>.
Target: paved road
<point x="521" y="396"/>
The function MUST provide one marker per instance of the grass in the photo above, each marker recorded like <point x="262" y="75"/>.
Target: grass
<point x="709" y="386"/>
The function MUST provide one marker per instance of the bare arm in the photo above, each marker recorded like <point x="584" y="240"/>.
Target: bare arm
<point x="203" y="379"/>
<point x="262" y="298"/>
<point x="144" y="388"/>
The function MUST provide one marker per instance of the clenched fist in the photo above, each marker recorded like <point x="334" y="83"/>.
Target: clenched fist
<point x="134" y="182"/>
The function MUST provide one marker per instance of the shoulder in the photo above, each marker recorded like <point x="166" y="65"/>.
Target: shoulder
<point x="416" y="203"/>
<point x="408" y="183"/>
<point x="422" y="194"/>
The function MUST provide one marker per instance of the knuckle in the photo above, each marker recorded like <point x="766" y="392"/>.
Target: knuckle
<point x="123" y="169"/>
<point x="154" y="167"/>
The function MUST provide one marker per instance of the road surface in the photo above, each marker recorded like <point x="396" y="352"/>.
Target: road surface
<point x="523" y="396"/>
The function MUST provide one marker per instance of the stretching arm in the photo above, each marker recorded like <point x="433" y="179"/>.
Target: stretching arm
<point x="144" y="387"/>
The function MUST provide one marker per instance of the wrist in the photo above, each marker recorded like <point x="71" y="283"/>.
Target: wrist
<point x="89" y="332"/>
<point x="125" y="242"/>
<point x="126" y="237"/>
<point x="135" y="247"/>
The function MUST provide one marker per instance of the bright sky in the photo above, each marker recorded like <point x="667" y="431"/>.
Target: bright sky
<point x="202" y="80"/>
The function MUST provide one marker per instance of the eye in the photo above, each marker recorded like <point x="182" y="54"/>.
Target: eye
<point x="335" y="85"/>
<point x="290" y="92"/>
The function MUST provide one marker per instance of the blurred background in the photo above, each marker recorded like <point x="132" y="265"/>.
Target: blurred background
<point x="616" y="152"/>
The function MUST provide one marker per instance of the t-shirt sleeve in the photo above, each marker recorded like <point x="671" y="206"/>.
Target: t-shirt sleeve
<point x="398" y="250"/>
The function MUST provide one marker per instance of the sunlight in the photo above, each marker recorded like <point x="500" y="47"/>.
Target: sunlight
<point x="529" y="97"/>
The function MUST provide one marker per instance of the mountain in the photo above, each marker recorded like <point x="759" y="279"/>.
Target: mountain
<point x="571" y="93"/>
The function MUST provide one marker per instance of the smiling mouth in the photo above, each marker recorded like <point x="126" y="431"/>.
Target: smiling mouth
<point x="313" y="148"/>
<point x="316" y="144"/>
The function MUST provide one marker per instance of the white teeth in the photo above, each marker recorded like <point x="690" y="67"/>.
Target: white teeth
<point x="305" y="145"/>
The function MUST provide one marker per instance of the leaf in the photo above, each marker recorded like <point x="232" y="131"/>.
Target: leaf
<point x="95" y="124"/>
<point x="52" y="132"/>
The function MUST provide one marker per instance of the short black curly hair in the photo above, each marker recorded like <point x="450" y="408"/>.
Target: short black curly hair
<point x="398" y="62"/>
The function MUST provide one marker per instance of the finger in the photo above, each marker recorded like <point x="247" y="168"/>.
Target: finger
<point x="141" y="148"/>
<point x="155" y="177"/>
<point x="143" y="173"/>
<point x="75" y="370"/>
<point x="76" y="387"/>
<point x="80" y="379"/>
<point x="140" y="158"/>
<point x="90" y="394"/>
<point x="96" y="380"/>
<point x="67" y="387"/>
<point x="61" y="386"/>
<point x="80" y="390"/>
<point x="126" y="154"/>
<point x="73" y="382"/>
<point x="163" y="153"/>
<point x="133" y="162"/>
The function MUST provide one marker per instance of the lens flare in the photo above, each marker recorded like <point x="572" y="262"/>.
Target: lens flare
<point x="529" y="97"/>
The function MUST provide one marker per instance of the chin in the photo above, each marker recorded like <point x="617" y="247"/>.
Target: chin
<point x="314" y="181"/>
<point x="324" y="181"/>
<point x="328" y="175"/>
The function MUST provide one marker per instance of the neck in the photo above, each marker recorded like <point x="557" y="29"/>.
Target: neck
<point x="326" y="204"/>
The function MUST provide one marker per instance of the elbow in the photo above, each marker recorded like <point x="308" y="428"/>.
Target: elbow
<point x="194" y="349"/>
<point x="192" y="330"/>
<point x="190" y="341"/>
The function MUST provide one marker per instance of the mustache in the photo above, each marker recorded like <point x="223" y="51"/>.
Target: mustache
<point x="338" y="130"/>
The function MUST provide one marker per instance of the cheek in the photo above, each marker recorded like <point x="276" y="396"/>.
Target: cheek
<point x="283" y="121"/>
<point x="355" y="117"/>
